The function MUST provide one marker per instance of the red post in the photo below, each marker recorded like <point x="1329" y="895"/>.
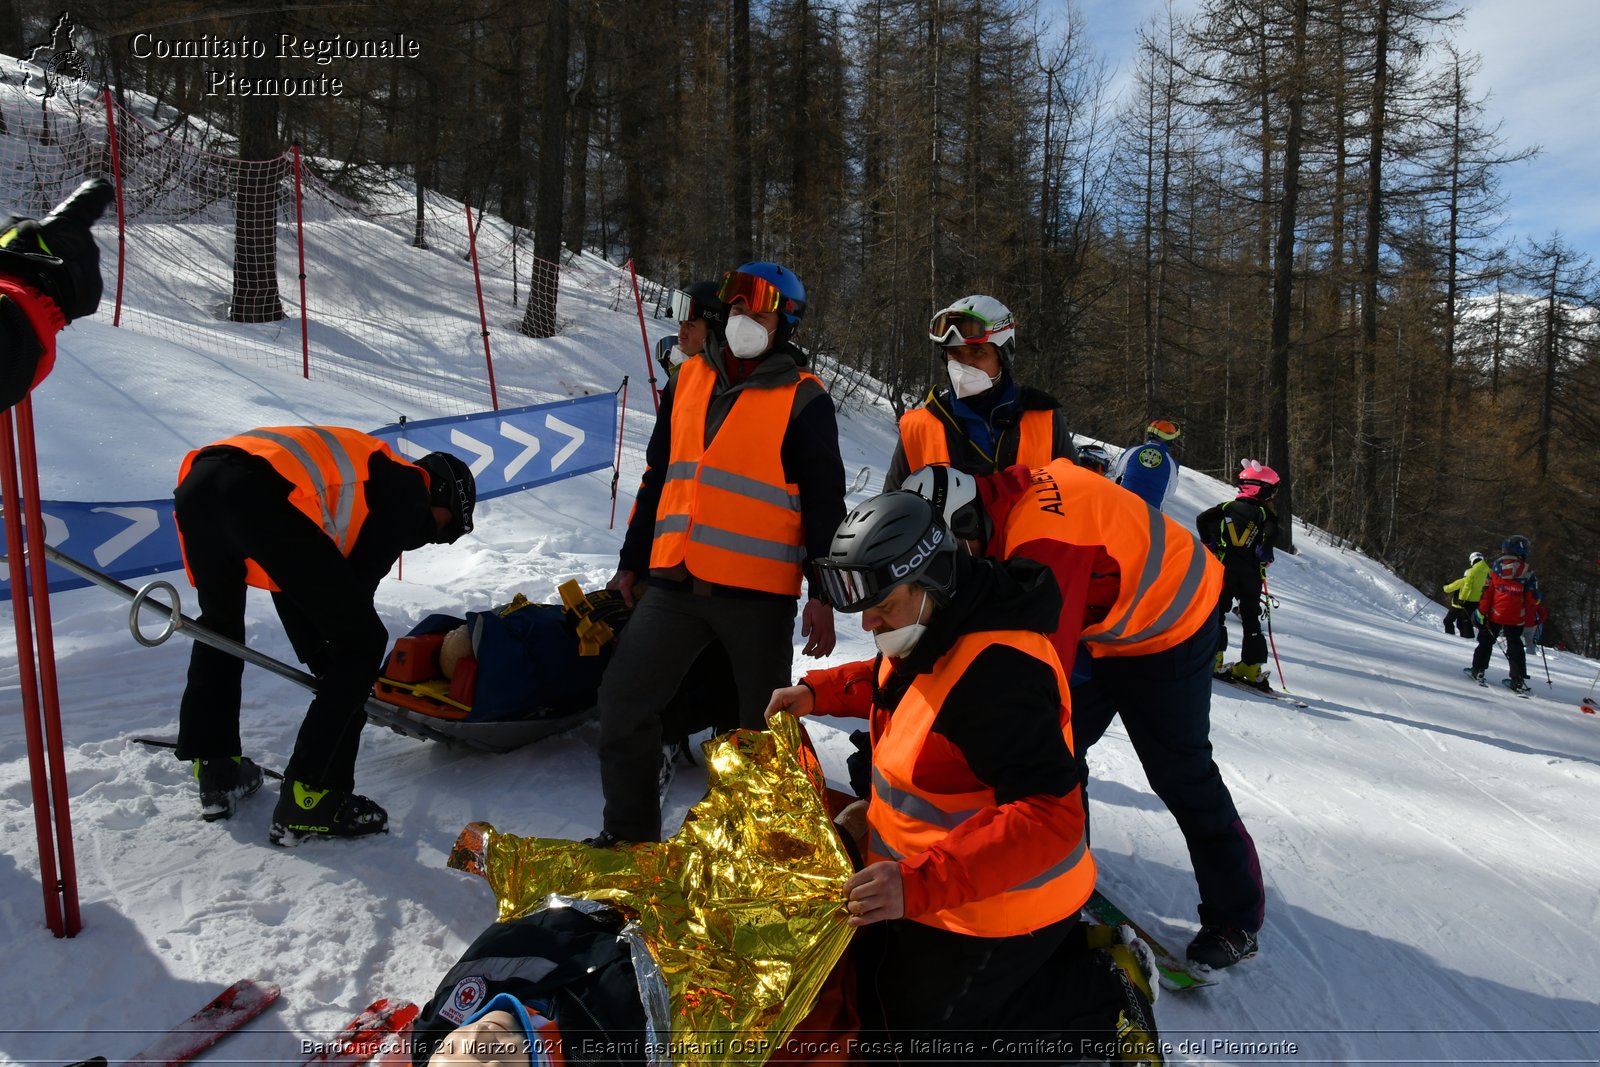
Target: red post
<point x="649" y="363"/>
<point x="616" y="467"/>
<point x="116" y="176"/>
<point x="41" y="706"/>
<point x="300" y="245"/>
<point x="483" y="320"/>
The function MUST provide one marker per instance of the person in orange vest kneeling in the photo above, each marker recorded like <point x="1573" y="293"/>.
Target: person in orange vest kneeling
<point x="317" y="515"/>
<point x="976" y="863"/>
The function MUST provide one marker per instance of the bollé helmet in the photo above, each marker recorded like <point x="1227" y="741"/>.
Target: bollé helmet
<point x="891" y="539"/>
<point x="451" y="486"/>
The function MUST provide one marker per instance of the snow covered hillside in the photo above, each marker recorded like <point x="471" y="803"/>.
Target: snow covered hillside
<point x="1429" y="846"/>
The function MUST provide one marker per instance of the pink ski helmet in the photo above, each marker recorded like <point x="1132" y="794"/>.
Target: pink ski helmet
<point x="1256" y="482"/>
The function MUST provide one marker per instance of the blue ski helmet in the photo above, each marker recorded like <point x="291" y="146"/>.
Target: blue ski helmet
<point x="767" y="286"/>
<point x="1515" y="545"/>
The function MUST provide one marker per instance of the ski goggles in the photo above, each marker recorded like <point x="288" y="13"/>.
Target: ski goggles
<point x="853" y="589"/>
<point x="684" y="308"/>
<point x="953" y="328"/>
<point x="757" y="294"/>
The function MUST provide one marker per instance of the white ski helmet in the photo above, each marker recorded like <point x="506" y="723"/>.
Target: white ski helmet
<point x="973" y="320"/>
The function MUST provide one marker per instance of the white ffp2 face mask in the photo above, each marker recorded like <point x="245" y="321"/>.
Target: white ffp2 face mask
<point x="899" y="642"/>
<point x="747" y="338"/>
<point x="968" y="381"/>
<point x="677" y="355"/>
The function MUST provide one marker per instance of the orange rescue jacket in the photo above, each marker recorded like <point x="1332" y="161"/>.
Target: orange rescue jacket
<point x="923" y="435"/>
<point x="1169" y="582"/>
<point x="326" y="465"/>
<point x="904" y="819"/>
<point x="726" y="512"/>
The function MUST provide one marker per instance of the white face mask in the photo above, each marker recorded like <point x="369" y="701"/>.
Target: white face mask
<point x="968" y="381"/>
<point x="899" y="642"/>
<point x="677" y="355"/>
<point x="747" y="338"/>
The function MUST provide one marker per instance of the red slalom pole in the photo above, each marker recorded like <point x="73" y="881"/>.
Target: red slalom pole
<point x="40" y="705"/>
<point x="616" y="468"/>
<point x="649" y="364"/>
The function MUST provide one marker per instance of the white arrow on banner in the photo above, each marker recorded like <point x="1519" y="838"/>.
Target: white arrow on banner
<point x="521" y="437"/>
<point x="142" y="522"/>
<point x="485" y="453"/>
<point x="570" y="447"/>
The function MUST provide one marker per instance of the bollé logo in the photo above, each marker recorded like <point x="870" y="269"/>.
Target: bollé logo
<point x="925" y="547"/>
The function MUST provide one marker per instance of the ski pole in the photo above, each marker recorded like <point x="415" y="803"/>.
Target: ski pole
<point x="1279" y="663"/>
<point x="1547" y="679"/>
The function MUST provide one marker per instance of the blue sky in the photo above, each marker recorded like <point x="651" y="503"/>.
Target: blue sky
<point x="1541" y="75"/>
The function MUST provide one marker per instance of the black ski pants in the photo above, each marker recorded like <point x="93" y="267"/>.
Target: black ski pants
<point x="1516" y="652"/>
<point x="1242" y="588"/>
<point x="233" y="509"/>
<point x="1460" y="615"/>
<point x="916" y="981"/>
<point x="1164" y="699"/>
<point x="668" y="631"/>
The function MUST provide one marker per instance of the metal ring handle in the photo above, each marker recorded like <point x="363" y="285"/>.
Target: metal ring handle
<point x="173" y="616"/>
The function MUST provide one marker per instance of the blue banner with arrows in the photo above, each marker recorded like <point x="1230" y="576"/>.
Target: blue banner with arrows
<point x="508" y="451"/>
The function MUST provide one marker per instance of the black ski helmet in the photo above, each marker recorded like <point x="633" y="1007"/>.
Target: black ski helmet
<point x="891" y="539"/>
<point x="1515" y="545"/>
<point x="451" y="486"/>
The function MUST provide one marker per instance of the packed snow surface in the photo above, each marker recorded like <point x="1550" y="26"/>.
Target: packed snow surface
<point x="1430" y="847"/>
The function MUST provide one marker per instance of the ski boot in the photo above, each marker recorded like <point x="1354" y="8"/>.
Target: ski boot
<point x="1252" y="675"/>
<point x="1519" y="686"/>
<point x="303" y="813"/>
<point x="1475" y="674"/>
<point x="224" y="781"/>
<point x="1221" y="946"/>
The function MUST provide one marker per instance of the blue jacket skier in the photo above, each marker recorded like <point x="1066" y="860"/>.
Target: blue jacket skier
<point x="1150" y="470"/>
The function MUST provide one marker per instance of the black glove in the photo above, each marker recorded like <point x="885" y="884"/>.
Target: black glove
<point x="57" y="254"/>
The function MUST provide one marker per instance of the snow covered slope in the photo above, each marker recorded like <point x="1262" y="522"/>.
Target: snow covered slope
<point x="1430" y="847"/>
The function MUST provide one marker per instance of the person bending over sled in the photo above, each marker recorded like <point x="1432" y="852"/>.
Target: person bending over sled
<point x="1240" y="533"/>
<point x="318" y="515"/>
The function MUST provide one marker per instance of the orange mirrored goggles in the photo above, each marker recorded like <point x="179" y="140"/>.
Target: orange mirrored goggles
<point x="959" y="328"/>
<point x="756" y="293"/>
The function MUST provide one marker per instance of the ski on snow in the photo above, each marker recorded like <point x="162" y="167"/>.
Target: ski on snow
<point x="364" y="1036"/>
<point x="1271" y="694"/>
<point x="164" y="742"/>
<point x="1175" y="973"/>
<point x="227" y="1012"/>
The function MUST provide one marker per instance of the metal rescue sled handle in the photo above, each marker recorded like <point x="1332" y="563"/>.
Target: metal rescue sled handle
<point x="177" y="622"/>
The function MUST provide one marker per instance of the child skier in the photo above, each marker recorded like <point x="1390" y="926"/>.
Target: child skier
<point x="1507" y="606"/>
<point x="1240" y="533"/>
<point x="1464" y="593"/>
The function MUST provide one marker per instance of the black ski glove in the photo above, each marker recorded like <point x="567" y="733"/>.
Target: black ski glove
<point x="57" y="254"/>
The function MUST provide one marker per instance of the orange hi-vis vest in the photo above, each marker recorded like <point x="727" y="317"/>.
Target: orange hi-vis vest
<point x="327" y="465"/>
<point x="904" y="819"/>
<point x="924" y="436"/>
<point x="726" y="512"/>
<point x="1170" y="583"/>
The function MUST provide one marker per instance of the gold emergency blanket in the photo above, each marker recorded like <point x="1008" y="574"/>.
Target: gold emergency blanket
<point x="743" y="909"/>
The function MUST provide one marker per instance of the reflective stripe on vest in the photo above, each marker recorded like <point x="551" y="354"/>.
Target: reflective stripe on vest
<point x="1169" y="585"/>
<point x="327" y="468"/>
<point x="924" y="436"/>
<point x="725" y="512"/>
<point x="905" y="820"/>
